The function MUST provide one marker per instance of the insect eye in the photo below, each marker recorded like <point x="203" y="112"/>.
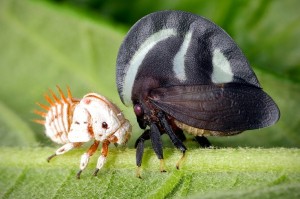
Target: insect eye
<point x="104" y="125"/>
<point x="138" y="110"/>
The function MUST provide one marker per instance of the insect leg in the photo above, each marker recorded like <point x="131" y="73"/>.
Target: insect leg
<point x="203" y="141"/>
<point x="139" y="145"/>
<point x="65" y="148"/>
<point x="102" y="158"/>
<point x="175" y="140"/>
<point x="179" y="133"/>
<point x="157" y="144"/>
<point x="86" y="156"/>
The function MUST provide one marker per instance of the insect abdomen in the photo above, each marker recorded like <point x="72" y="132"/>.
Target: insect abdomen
<point x="58" y="116"/>
<point x="203" y="132"/>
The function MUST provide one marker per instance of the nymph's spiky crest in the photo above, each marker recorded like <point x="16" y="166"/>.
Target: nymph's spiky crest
<point x="42" y="122"/>
<point x="69" y="92"/>
<point x="45" y="107"/>
<point x="54" y="96"/>
<point x="58" y="115"/>
<point x="49" y="100"/>
<point x="62" y="94"/>
<point x="43" y="114"/>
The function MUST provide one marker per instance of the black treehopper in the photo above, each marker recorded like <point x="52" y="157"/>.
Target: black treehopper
<point x="181" y="72"/>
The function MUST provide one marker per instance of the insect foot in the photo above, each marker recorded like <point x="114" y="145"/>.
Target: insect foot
<point x="72" y="122"/>
<point x="183" y="73"/>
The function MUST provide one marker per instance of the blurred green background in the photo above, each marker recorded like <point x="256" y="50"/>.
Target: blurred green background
<point x="75" y="43"/>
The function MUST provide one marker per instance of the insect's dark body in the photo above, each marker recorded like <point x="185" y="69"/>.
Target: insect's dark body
<point x="183" y="72"/>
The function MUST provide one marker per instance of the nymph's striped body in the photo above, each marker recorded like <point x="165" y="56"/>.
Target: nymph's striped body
<point x="58" y="117"/>
<point x="72" y="122"/>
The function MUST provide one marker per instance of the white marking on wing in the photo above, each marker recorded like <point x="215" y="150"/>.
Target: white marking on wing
<point x="178" y="62"/>
<point x="222" y="72"/>
<point x="138" y="58"/>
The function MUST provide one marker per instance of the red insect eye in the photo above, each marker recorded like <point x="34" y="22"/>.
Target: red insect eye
<point x="104" y="125"/>
<point x="138" y="110"/>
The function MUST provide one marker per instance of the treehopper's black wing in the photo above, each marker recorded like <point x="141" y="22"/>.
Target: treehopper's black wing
<point x="227" y="107"/>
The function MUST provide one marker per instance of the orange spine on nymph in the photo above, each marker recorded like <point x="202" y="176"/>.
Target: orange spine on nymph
<point x="58" y="115"/>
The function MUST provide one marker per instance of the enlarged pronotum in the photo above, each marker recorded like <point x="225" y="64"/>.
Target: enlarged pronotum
<point x="72" y="122"/>
<point x="181" y="72"/>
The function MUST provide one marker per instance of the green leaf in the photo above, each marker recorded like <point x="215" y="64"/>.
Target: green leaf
<point x="10" y="122"/>
<point x="205" y="173"/>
